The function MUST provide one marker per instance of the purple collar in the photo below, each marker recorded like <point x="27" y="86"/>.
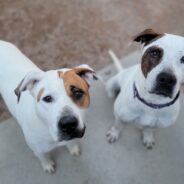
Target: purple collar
<point x="154" y="106"/>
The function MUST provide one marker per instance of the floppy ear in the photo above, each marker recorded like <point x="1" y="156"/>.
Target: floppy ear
<point x="147" y="36"/>
<point x="27" y="83"/>
<point x="86" y="72"/>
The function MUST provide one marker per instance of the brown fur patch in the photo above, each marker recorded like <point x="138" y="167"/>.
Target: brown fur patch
<point x="149" y="62"/>
<point x="71" y="78"/>
<point x="82" y="71"/>
<point x="40" y="94"/>
<point x="148" y="36"/>
<point x="152" y="40"/>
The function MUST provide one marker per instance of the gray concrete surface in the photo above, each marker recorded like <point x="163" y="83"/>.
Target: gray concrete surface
<point x="126" y="161"/>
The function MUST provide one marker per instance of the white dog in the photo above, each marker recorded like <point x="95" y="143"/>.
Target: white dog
<point x="148" y="93"/>
<point x="50" y="111"/>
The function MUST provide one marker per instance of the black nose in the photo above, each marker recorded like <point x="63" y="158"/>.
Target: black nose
<point x="166" y="79"/>
<point x="68" y="124"/>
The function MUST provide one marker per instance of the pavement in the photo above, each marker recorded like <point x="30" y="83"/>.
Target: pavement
<point x="125" y="161"/>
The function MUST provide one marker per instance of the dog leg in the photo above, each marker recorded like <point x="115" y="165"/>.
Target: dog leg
<point x="114" y="133"/>
<point x="73" y="148"/>
<point x="47" y="163"/>
<point x="148" y="137"/>
<point x="112" y="87"/>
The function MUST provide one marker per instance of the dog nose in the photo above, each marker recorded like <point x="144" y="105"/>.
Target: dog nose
<point x="68" y="124"/>
<point x="166" y="79"/>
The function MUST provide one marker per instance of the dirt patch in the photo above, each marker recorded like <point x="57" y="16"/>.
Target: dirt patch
<point x="62" y="33"/>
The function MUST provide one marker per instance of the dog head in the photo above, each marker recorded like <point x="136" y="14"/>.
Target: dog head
<point x="162" y="62"/>
<point x="60" y="97"/>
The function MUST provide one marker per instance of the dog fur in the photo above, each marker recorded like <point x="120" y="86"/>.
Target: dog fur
<point x="161" y="53"/>
<point x="41" y="101"/>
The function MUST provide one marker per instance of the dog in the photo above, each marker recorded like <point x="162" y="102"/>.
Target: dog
<point x="49" y="106"/>
<point x="147" y="94"/>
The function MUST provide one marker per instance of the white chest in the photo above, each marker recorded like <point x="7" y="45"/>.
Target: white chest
<point x="132" y="110"/>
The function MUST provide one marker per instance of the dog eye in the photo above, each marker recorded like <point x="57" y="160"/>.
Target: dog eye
<point x="77" y="93"/>
<point x="182" y="59"/>
<point x="155" y="53"/>
<point x="48" y="99"/>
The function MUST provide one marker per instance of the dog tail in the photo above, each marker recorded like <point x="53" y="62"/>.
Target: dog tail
<point x="116" y="61"/>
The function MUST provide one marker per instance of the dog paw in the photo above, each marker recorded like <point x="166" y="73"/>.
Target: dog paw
<point x="49" y="167"/>
<point x="112" y="135"/>
<point x="148" y="141"/>
<point x="75" y="150"/>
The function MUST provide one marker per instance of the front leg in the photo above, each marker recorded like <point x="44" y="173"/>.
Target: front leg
<point x="47" y="163"/>
<point x="114" y="132"/>
<point x="148" y="137"/>
<point x="73" y="148"/>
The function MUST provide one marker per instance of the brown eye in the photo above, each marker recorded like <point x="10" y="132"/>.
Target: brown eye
<point x="182" y="59"/>
<point x="155" y="53"/>
<point x="48" y="99"/>
<point x="77" y="93"/>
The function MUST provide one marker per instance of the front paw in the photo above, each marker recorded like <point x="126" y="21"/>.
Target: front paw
<point x="148" y="141"/>
<point x="49" y="167"/>
<point x="75" y="150"/>
<point x="112" y="135"/>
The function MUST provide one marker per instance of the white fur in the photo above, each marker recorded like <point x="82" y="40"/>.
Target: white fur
<point x="38" y="120"/>
<point x="129" y="109"/>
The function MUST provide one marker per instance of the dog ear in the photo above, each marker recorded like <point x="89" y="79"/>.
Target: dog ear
<point x="86" y="72"/>
<point x="147" y="36"/>
<point x="27" y="83"/>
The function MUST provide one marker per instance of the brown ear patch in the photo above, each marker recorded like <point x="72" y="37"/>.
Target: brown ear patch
<point x="151" y="58"/>
<point x="70" y="79"/>
<point x="40" y="94"/>
<point x="147" y="36"/>
<point x="60" y="73"/>
<point x="81" y="71"/>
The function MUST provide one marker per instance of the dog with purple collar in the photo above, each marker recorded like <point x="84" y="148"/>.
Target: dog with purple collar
<point x="147" y="94"/>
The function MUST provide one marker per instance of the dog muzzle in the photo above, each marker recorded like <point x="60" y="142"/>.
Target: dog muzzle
<point x="152" y="105"/>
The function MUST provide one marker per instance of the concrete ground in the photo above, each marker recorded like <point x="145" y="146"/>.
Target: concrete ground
<point x="126" y="161"/>
<point x="60" y="33"/>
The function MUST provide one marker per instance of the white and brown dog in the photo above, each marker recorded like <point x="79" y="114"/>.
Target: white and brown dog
<point x="50" y="111"/>
<point x="148" y="93"/>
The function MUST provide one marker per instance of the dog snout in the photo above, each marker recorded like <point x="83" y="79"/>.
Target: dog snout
<point x="69" y="126"/>
<point x="165" y="83"/>
<point x="166" y="79"/>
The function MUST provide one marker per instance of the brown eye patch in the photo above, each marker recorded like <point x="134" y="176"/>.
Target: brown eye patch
<point x="151" y="58"/>
<point x="77" y="93"/>
<point x="76" y="88"/>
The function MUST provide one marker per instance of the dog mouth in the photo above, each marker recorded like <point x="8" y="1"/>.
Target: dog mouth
<point x="164" y="94"/>
<point x="69" y="128"/>
<point x="63" y="136"/>
<point x="165" y="84"/>
<point x="167" y="93"/>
